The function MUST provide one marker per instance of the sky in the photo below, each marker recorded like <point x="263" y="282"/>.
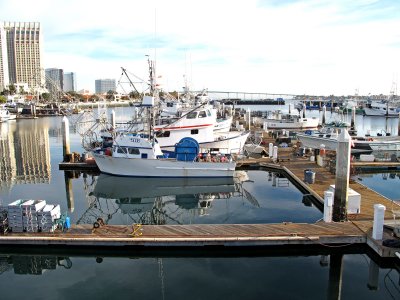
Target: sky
<point x="313" y="47"/>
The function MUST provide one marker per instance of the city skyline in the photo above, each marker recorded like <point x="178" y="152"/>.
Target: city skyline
<point x="288" y="47"/>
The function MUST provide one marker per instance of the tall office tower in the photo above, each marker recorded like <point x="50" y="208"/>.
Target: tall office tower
<point x="104" y="85"/>
<point x="55" y="80"/>
<point x="70" y="82"/>
<point x="4" y="75"/>
<point x="24" y="54"/>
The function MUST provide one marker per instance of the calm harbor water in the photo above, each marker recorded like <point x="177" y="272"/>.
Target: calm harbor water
<point x="31" y="151"/>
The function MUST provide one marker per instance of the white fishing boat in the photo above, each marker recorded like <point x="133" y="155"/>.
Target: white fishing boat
<point x="381" y="108"/>
<point x="278" y="120"/>
<point x="140" y="156"/>
<point x="310" y="139"/>
<point x="314" y="139"/>
<point x="201" y="124"/>
<point x="294" y="122"/>
<point x="5" y="115"/>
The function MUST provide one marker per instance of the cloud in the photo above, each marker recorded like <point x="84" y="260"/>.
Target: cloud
<point x="309" y="46"/>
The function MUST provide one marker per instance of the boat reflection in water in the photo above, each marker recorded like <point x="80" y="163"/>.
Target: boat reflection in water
<point x="157" y="200"/>
<point x="32" y="264"/>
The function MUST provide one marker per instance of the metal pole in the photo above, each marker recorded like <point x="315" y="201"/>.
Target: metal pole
<point x="342" y="176"/>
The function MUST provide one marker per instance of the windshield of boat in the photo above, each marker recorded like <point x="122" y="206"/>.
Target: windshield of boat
<point x="191" y="115"/>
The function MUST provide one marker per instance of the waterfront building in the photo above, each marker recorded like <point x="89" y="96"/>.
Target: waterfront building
<point x="69" y="82"/>
<point x="105" y="85"/>
<point x="23" y="43"/>
<point x="55" y="80"/>
<point x="4" y="74"/>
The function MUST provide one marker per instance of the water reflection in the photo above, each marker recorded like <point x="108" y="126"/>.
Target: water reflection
<point x="158" y="200"/>
<point x="32" y="264"/>
<point x="253" y="196"/>
<point x="100" y="274"/>
<point x="25" y="154"/>
<point x="383" y="182"/>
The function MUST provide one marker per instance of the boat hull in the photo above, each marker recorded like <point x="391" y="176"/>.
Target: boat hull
<point x="163" y="168"/>
<point x="309" y="141"/>
<point x="308" y="123"/>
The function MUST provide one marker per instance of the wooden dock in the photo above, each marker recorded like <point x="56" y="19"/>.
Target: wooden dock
<point x="356" y="231"/>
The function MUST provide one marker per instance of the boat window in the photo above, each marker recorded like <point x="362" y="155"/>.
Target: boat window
<point x="202" y="114"/>
<point x="208" y="113"/>
<point x="163" y="133"/>
<point x="194" y="131"/>
<point x="134" y="151"/>
<point x="191" y="115"/>
<point x="121" y="150"/>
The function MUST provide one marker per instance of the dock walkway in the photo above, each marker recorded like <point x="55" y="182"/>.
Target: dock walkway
<point x="355" y="231"/>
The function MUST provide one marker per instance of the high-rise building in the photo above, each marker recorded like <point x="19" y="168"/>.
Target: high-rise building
<point x="70" y="82"/>
<point x="104" y="86"/>
<point x="4" y="74"/>
<point x="54" y="80"/>
<point x="23" y="41"/>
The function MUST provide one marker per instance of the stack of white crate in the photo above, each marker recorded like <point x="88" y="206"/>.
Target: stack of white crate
<point x="30" y="211"/>
<point x="46" y="217"/>
<point x="15" y="215"/>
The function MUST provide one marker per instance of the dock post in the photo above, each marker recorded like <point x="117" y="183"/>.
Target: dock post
<point x="353" y="118"/>
<point x="275" y="154"/>
<point x="373" y="276"/>
<point x="290" y="110"/>
<point x="65" y="133"/>
<point x="323" y="115"/>
<point x="398" y="126"/>
<point x="342" y="176"/>
<point x="304" y="109"/>
<point x="249" y="118"/>
<point x="328" y="202"/>
<point x="379" y="218"/>
<point x="271" y="150"/>
<point x="112" y="117"/>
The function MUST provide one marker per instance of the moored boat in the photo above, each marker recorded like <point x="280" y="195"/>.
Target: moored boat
<point x="314" y="139"/>
<point x="140" y="156"/>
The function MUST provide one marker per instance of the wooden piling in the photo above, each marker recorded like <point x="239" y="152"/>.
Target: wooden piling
<point x="398" y="126"/>
<point x="112" y="117"/>
<point x="342" y="177"/>
<point x="65" y="133"/>
<point x="353" y="118"/>
<point x="323" y="115"/>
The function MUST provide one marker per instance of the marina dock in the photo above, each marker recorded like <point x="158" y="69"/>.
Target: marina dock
<point x="356" y="231"/>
